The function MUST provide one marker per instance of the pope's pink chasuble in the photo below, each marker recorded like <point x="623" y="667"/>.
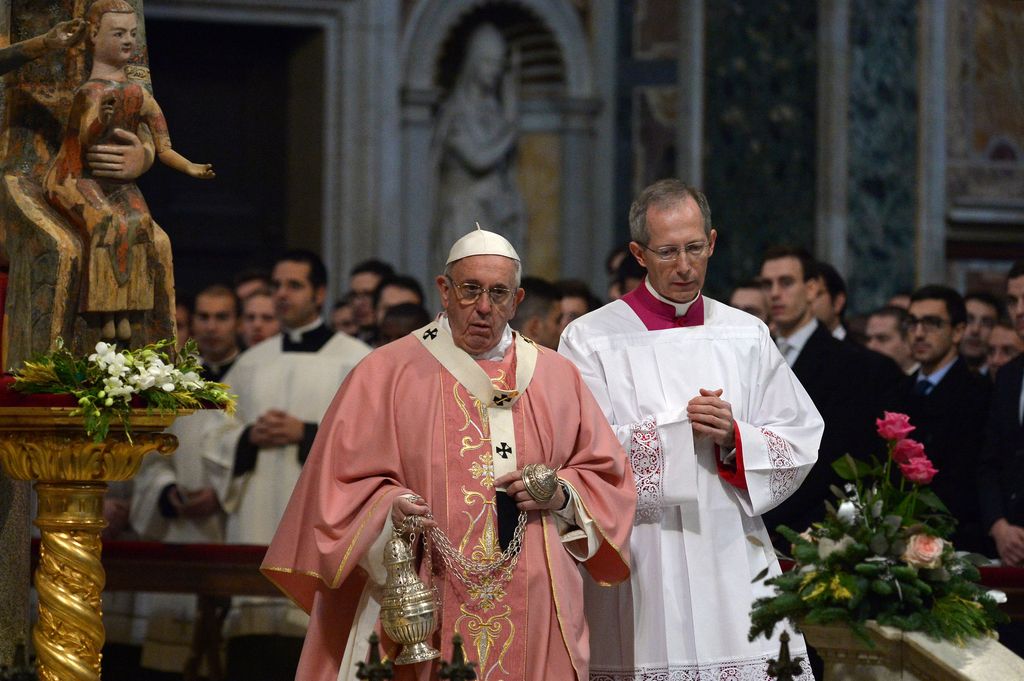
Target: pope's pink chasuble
<point x="403" y="424"/>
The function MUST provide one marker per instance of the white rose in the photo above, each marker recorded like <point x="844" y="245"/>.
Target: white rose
<point x="847" y="512"/>
<point x="997" y="596"/>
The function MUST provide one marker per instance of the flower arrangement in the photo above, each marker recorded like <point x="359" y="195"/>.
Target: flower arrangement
<point x="882" y="553"/>
<point x="106" y="383"/>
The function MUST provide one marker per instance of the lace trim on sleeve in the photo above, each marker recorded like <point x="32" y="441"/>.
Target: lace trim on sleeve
<point x="648" y="464"/>
<point x="782" y="480"/>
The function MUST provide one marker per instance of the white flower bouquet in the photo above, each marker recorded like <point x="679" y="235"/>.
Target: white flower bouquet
<point x="110" y="382"/>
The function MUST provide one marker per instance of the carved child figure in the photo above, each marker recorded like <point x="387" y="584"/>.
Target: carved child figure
<point x="110" y="214"/>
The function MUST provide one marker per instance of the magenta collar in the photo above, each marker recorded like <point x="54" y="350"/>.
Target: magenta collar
<point x="657" y="315"/>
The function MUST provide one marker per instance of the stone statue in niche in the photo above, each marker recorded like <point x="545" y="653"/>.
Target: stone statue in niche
<point x="475" y="145"/>
<point x="110" y="215"/>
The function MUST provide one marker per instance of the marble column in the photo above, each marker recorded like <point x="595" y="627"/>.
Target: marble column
<point x="883" y="139"/>
<point x="581" y="255"/>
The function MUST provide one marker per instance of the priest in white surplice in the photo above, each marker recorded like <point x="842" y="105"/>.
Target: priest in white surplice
<point x="284" y="386"/>
<point x="718" y="431"/>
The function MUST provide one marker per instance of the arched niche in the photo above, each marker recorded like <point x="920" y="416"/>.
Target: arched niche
<point x="558" y="107"/>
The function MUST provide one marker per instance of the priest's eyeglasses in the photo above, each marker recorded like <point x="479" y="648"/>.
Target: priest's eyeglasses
<point x="469" y="293"/>
<point x="693" y="252"/>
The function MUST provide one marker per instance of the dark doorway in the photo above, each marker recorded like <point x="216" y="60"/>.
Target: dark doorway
<point x="237" y="96"/>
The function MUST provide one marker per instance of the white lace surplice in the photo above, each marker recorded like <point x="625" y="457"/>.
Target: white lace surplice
<point x="685" y="612"/>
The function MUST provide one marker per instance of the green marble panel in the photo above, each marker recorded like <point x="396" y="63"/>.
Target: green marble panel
<point x="882" y="149"/>
<point x="761" y="65"/>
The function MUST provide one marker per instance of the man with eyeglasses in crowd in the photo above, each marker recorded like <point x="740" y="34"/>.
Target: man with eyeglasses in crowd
<point x="469" y="427"/>
<point x="718" y="430"/>
<point x="948" y="405"/>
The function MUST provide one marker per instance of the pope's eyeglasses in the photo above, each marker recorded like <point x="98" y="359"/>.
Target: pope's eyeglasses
<point x="468" y="293"/>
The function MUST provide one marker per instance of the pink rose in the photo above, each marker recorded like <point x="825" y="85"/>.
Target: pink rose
<point x="907" y="449"/>
<point x="924" y="551"/>
<point x="919" y="470"/>
<point x="894" y="426"/>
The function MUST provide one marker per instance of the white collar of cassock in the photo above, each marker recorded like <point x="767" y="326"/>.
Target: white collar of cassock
<point x="681" y="308"/>
<point x="295" y="335"/>
<point x="495" y="353"/>
<point x="215" y="366"/>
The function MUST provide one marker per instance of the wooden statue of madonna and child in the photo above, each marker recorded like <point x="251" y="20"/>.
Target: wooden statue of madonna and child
<point x="111" y="215"/>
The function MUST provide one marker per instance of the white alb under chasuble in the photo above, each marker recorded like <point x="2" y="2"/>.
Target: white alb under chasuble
<point x="685" y="611"/>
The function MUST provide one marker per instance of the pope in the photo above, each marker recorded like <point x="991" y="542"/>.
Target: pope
<point x="498" y="448"/>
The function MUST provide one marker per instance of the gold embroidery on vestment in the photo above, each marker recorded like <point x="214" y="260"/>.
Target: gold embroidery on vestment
<point x="485" y="633"/>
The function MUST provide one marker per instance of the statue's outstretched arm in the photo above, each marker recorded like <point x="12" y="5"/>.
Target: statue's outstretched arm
<point x="202" y="171"/>
<point x="60" y="37"/>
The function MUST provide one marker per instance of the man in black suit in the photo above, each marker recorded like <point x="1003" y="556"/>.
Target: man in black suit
<point x="948" y="404"/>
<point x="849" y="385"/>
<point x="1001" y="470"/>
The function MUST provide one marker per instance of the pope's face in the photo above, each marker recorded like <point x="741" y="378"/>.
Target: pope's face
<point x="115" y="38"/>
<point x="679" y="226"/>
<point x="477" y="325"/>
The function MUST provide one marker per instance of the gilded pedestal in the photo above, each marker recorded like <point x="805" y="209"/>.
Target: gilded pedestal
<point x="71" y="472"/>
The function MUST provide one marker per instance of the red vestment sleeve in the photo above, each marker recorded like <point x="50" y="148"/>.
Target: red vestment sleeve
<point x="733" y="473"/>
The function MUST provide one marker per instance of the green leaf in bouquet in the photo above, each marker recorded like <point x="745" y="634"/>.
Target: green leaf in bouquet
<point x="761" y="575"/>
<point x="930" y="499"/>
<point x="805" y="553"/>
<point x="846" y="467"/>
<point x="867" y="569"/>
<point x="839" y="494"/>
<point x="976" y="559"/>
<point x="882" y="587"/>
<point x="939" y="574"/>
<point x="879" y="544"/>
<point x="791" y="535"/>
<point x="904" y="572"/>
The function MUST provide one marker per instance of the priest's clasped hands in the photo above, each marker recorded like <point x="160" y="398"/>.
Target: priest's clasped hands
<point x="712" y="416"/>
<point x="276" y="428"/>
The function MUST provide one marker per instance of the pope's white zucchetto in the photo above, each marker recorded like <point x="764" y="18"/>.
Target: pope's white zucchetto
<point x="481" y="242"/>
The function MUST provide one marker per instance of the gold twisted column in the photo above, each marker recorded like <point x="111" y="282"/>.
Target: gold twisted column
<point x="71" y="474"/>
